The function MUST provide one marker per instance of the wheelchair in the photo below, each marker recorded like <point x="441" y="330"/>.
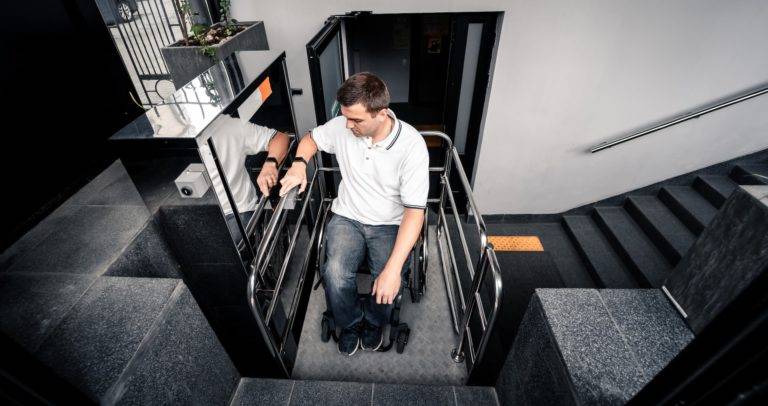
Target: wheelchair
<point x="414" y="281"/>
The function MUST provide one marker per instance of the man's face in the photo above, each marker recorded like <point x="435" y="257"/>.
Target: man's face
<point x="361" y="122"/>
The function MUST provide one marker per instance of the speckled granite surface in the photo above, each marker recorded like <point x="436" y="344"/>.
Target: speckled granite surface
<point x="727" y="257"/>
<point x="252" y="391"/>
<point x="147" y="256"/>
<point x="180" y="361"/>
<point x="587" y="346"/>
<point x="98" y="337"/>
<point x="32" y="305"/>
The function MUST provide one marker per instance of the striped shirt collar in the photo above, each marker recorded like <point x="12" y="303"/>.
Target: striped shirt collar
<point x="397" y="126"/>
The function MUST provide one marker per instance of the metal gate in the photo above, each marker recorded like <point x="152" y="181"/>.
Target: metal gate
<point x="139" y="29"/>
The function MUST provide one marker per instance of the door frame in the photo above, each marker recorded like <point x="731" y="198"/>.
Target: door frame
<point x="459" y="25"/>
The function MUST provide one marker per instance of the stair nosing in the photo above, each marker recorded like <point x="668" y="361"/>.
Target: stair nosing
<point x="590" y="263"/>
<point x="626" y="253"/>
<point x="690" y="215"/>
<point x="663" y="240"/>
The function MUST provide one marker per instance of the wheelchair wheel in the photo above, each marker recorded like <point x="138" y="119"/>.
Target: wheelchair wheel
<point x="325" y="333"/>
<point x="424" y="259"/>
<point x="416" y="287"/>
<point x="402" y="340"/>
<point x="395" y="317"/>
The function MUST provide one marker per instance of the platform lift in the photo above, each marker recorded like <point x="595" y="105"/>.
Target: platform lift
<point x="472" y="276"/>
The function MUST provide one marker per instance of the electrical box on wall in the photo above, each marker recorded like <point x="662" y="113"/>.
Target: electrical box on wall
<point x="193" y="182"/>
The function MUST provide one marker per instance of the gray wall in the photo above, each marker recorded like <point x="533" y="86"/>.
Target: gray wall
<point x="569" y="75"/>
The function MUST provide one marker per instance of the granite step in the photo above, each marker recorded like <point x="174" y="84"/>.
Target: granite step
<point x="633" y="245"/>
<point x="256" y="391"/>
<point x="715" y="188"/>
<point x="669" y="234"/>
<point x="604" y="263"/>
<point x="137" y="340"/>
<point x="689" y="206"/>
<point x="587" y="346"/>
<point x="750" y="174"/>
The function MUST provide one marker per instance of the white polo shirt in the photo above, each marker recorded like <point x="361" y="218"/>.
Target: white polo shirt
<point x="234" y="141"/>
<point x="378" y="179"/>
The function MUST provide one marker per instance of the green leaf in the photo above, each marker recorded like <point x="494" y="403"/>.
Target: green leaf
<point x="199" y="29"/>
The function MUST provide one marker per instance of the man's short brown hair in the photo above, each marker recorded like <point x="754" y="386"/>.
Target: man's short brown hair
<point x="364" y="88"/>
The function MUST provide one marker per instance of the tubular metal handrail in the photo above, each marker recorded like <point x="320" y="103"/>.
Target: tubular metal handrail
<point x="260" y="263"/>
<point x="696" y="114"/>
<point x="486" y="260"/>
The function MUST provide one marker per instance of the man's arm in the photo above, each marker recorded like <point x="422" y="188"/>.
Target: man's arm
<point x="297" y="174"/>
<point x="386" y="286"/>
<point x="277" y="148"/>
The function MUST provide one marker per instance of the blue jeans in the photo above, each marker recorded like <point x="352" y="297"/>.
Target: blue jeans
<point x="346" y="243"/>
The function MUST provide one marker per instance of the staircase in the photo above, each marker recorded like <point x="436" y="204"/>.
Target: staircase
<point x="628" y="241"/>
<point x="637" y="243"/>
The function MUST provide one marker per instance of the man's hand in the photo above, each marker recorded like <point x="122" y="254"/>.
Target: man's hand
<point x="386" y="286"/>
<point x="267" y="177"/>
<point x="296" y="175"/>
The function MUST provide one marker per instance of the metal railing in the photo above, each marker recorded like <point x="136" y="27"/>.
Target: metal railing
<point x="470" y="304"/>
<point x="486" y="261"/>
<point x="139" y="29"/>
<point x="689" y="116"/>
<point x="277" y="338"/>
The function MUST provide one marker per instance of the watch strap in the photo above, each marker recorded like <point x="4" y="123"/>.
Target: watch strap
<point x="300" y="159"/>
<point x="271" y="159"/>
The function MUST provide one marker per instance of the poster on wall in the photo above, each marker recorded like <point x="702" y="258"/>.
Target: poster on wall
<point x="434" y="45"/>
<point x="401" y="33"/>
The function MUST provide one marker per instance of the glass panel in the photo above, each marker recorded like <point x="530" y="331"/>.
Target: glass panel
<point x="332" y="76"/>
<point x="471" y="54"/>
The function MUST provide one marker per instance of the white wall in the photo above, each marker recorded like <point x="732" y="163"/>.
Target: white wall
<point x="571" y="74"/>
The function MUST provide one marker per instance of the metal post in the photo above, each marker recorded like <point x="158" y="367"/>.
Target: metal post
<point x="458" y="354"/>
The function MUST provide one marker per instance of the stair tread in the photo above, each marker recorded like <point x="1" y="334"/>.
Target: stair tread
<point x="181" y="348"/>
<point x="95" y="341"/>
<point x="639" y="251"/>
<point x="715" y="188"/>
<point x="664" y="228"/>
<point x="607" y="267"/>
<point x="750" y="174"/>
<point x="273" y="391"/>
<point x="689" y="205"/>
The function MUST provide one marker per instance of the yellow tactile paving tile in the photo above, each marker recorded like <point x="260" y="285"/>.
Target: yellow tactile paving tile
<point x="525" y="243"/>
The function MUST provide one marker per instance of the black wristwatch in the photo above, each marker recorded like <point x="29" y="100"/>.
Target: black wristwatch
<point x="300" y="159"/>
<point x="273" y="160"/>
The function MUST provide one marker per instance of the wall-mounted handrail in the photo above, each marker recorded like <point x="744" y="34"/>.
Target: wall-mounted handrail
<point x="698" y="113"/>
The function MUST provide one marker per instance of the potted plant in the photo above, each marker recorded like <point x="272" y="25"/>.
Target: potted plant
<point x="204" y="45"/>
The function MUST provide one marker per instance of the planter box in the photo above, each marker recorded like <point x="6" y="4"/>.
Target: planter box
<point x="187" y="62"/>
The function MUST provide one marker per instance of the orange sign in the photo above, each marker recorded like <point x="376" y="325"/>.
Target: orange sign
<point x="265" y="88"/>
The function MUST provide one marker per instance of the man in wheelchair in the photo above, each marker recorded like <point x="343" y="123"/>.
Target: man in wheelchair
<point x="379" y="209"/>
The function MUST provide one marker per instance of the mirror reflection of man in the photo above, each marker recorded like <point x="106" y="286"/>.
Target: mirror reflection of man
<point x="379" y="209"/>
<point x="234" y="141"/>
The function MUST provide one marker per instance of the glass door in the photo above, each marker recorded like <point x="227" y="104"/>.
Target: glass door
<point x="326" y="67"/>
